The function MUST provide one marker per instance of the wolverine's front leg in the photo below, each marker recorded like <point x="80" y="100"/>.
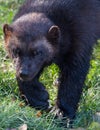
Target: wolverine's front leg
<point x="34" y="93"/>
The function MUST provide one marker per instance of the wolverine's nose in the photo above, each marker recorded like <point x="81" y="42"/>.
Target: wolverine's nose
<point x="23" y="74"/>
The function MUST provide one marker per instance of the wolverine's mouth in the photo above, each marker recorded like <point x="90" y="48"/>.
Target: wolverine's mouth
<point x="24" y="76"/>
<point x="27" y="77"/>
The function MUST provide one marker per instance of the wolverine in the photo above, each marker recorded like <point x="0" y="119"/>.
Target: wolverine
<point x="53" y="31"/>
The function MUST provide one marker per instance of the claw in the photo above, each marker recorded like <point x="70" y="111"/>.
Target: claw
<point x="59" y="114"/>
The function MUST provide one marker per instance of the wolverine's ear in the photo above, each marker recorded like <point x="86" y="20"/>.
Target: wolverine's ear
<point x="54" y="32"/>
<point x="7" y="30"/>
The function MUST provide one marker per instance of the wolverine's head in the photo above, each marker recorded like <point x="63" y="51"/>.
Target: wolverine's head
<point x="32" y="43"/>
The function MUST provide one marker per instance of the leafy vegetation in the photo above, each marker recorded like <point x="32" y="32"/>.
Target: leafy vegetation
<point x="13" y="111"/>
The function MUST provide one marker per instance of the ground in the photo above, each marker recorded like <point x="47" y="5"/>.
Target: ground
<point x="13" y="111"/>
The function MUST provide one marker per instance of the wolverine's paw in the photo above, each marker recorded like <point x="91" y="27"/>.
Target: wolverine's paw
<point x="57" y="112"/>
<point x="62" y="117"/>
<point x="36" y="103"/>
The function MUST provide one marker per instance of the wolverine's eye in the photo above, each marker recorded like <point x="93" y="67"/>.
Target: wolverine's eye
<point x="16" y="52"/>
<point x="35" y="53"/>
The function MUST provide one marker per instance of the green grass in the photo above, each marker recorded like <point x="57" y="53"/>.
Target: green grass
<point x="13" y="111"/>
